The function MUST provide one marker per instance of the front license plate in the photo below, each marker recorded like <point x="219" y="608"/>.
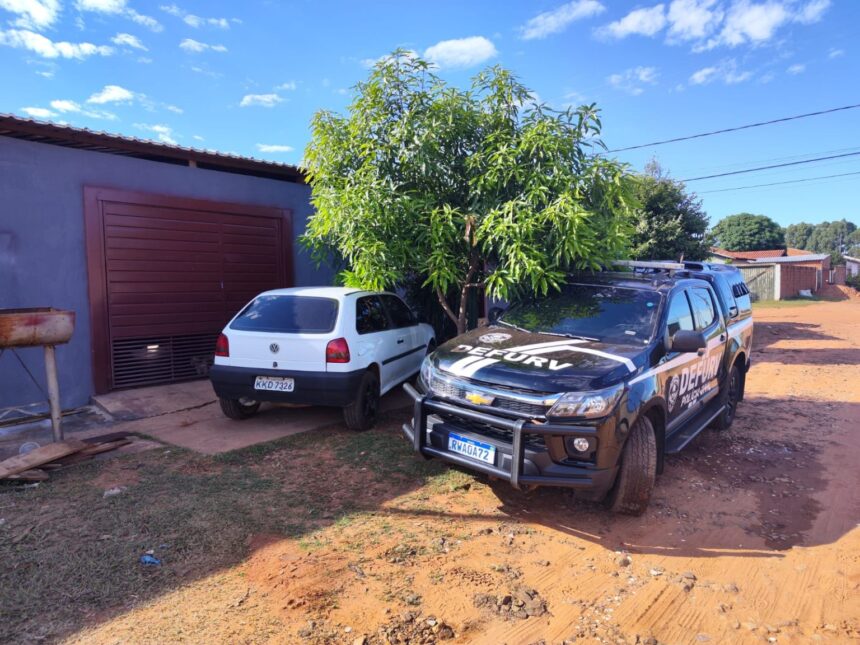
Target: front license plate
<point x="274" y="384"/>
<point x="471" y="448"/>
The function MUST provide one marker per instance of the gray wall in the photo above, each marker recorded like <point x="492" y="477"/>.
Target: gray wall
<point x="42" y="252"/>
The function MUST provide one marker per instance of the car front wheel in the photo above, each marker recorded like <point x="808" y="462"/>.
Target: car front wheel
<point x="239" y="409"/>
<point x="361" y="413"/>
<point x="638" y="471"/>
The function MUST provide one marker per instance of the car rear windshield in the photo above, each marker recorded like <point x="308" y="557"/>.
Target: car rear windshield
<point x="288" y="315"/>
<point x="605" y="313"/>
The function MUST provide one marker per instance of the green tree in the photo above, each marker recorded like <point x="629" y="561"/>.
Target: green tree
<point x="670" y="223"/>
<point x="833" y="238"/>
<point x="747" y="232"/>
<point x="797" y="235"/>
<point x="466" y="189"/>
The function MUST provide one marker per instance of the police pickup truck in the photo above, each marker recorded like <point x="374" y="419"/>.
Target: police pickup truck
<point x="590" y="387"/>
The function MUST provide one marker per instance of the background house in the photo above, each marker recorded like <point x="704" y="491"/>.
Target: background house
<point x="154" y="246"/>
<point x="776" y="274"/>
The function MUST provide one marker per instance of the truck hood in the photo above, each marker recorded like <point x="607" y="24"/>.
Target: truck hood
<point x="507" y="357"/>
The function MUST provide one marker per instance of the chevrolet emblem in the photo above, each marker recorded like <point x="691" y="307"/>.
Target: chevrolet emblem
<point x="479" y="399"/>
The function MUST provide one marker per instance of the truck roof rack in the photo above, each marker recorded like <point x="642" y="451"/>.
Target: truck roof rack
<point x="658" y="266"/>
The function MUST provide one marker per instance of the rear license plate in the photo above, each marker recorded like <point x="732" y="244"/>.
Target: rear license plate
<point x="274" y="384"/>
<point x="470" y="448"/>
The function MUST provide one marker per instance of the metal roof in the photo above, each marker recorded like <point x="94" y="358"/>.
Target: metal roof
<point x="815" y="257"/>
<point x="110" y="143"/>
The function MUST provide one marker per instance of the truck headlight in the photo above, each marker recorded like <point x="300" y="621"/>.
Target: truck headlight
<point x="426" y="371"/>
<point x="588" y="405"/>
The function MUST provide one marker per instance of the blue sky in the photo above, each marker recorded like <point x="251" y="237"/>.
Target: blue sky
<point x="246" y="77"/>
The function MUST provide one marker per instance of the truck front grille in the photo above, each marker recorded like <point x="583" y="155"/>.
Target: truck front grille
<point x="453" y="390"/>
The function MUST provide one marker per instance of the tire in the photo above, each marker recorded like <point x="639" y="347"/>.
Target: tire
<point x="638" y="472"/>
<point x="238" y="409"/>
<point x="734" y="393"/>
<point x="360" y="415"/>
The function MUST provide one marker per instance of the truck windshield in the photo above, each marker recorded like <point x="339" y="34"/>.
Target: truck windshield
<point x="288" y="315"/>
<point x="598" y="312"/>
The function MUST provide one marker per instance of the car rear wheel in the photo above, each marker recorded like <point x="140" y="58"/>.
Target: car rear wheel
<point x="733" y="397"/>
<point x="361" y="413"/>
<point x="239" y="409"/>
<point x="637" y="473"/>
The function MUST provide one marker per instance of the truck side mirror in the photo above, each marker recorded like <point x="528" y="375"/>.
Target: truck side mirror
<point x="494" y="315"/>
<point x="687" y="341"/>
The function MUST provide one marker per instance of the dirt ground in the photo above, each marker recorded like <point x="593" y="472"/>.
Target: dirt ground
<point x="752" y="535"/>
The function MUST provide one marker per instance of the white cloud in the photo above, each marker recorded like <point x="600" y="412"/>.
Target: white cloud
<point x="47" y="48"/>
<point x="120" y="8"/>
<point x="271" y="147"/>
<point x="196" y="47"/>
<point x="693" y="19"/>
<point x="127" y="40"/>
<point x="38" y="113"/>
<point x="163" y="133"/>
<point x="812" y="12"/>
<point x="197" y="137"/>
<point x="71" y="107"/>
<point x="32" y="14"/>
<point x="645" y="22"/>
<point x="174" y="109"/>
<point x="632" y="80"/>
<point x="726" y="71"/>
<point x="461" y="52"/>
<point x="797" y="68"/>
<point x="835" y="53"/>
<point x="750" y="23"/>
<point x="557" y="20"/>
<point x="289" y="85"/>
<point x="197" y="21"/>
<point x="261" y="100"/>
<point x="112" y="94"/>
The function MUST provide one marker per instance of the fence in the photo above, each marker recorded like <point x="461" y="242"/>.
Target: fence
<point x="761" y="280"/>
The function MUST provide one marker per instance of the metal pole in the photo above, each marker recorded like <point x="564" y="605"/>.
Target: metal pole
<point x="53" y="391"/>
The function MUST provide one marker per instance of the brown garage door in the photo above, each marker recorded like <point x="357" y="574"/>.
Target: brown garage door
<point x="173" y="272"/>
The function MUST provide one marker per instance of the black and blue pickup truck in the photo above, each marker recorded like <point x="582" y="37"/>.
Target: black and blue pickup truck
<point x="590" y="387"/>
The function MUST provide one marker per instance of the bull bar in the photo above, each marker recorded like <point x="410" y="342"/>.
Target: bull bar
<point x="416" y="433"/>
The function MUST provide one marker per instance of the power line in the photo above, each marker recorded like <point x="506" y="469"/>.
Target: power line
<point x="779" y="183"/>
<point x="735" y="129"/>
<point x="778" y="165"/>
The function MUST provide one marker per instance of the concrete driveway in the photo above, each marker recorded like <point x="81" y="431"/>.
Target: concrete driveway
<point x="188" y="415"/>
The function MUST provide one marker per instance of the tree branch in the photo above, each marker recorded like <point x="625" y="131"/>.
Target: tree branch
<point x="444" y="303"/>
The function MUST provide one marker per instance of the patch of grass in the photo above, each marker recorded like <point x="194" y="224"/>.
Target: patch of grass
<point x="384" y="453"/>
<point x="791" y="302"/>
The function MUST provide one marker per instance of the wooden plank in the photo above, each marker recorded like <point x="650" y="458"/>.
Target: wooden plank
<point x="34" y="475"/>
<point x="88" y="453"/>
<point x="39" y="456"/>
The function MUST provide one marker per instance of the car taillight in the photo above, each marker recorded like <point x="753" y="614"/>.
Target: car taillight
<point x="222" y="346"/>
<point x="337" y="351"/>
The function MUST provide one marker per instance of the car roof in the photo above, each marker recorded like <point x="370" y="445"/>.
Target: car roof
<point x="660" y="282"/>
<point x="318" y="292"/>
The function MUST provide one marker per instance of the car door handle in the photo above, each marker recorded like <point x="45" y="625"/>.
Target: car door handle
<point x="400" y="341"/>
<point x="722" y="338"/>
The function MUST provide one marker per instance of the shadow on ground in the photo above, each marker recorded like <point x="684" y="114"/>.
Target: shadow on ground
<point x="70" y="553"/>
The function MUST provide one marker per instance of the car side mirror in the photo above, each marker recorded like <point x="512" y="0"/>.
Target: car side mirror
<point x="687" y="341"/>
<point x="494" y="315"/>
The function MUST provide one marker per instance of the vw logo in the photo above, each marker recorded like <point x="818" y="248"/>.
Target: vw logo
<point x="274" y="348"/>
<point x="494" y="338"/>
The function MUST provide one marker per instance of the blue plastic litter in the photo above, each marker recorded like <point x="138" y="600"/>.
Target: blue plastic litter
<point x="150" y="560"/>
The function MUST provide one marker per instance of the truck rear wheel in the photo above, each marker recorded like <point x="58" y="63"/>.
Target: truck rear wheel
<point x="734" y="393"/>
<point x="638" y="471"/>
<point x="239" y="409"/>
<point x="361" y="413"/>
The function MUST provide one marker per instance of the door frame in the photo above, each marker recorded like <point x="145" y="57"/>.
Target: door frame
<point x="94" y="238"/>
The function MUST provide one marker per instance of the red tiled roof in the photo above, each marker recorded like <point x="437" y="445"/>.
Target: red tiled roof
<point x="790" y="251"/>
<point x="752" y="255"/>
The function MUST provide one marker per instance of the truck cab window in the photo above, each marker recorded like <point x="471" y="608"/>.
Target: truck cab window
<point x="703" y="308"/>
<point x="680" y="316"/>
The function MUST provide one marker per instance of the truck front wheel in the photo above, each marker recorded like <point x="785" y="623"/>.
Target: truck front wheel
<point x="638" y="471"/>
<point x="734" y="393"/>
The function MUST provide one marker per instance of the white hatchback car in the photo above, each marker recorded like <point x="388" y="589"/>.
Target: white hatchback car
<point x="331" y="346"/>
